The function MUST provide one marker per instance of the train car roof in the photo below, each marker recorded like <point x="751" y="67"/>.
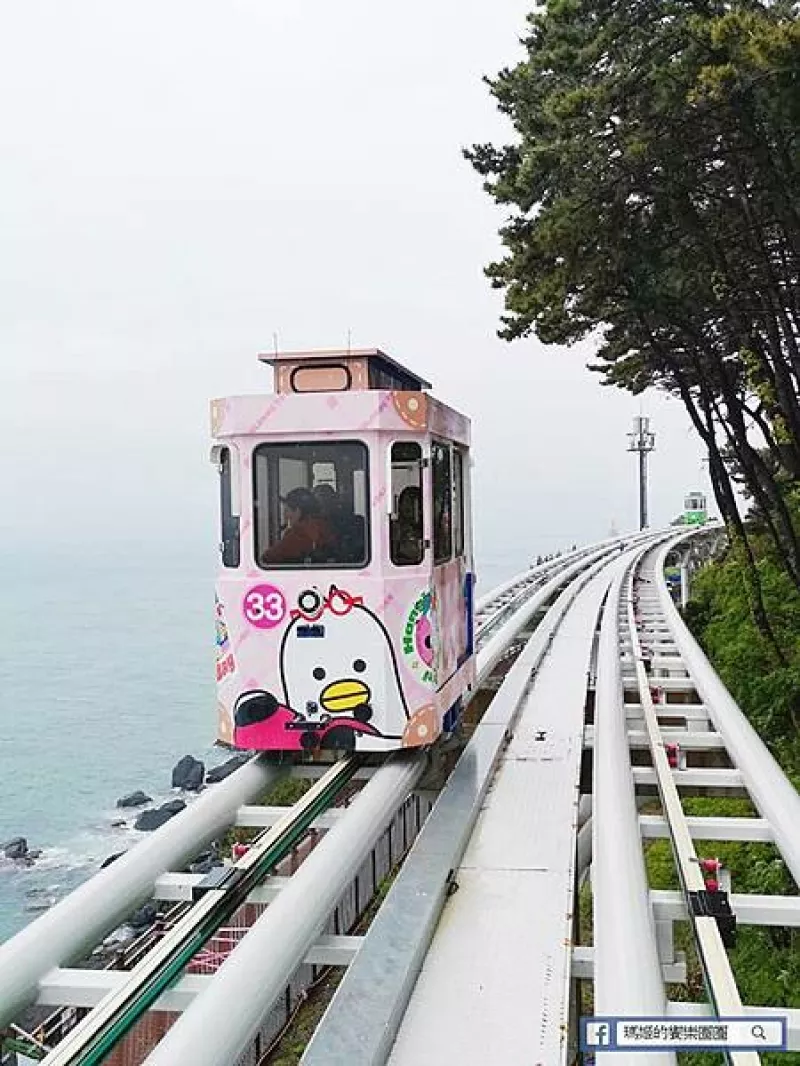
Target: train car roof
<point x="316" y="355"/>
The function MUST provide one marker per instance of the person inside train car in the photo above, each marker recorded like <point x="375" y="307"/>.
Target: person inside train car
<point x="328" y="499"/>
<point x="406" y="529"/>
<point x="332" y="507"/>
<point x="347" y="527"/>
<point x="308" y="533"/>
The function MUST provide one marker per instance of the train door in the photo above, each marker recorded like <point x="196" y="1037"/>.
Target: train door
<point x="408" y="518"/>
<point x="451" y="574"/>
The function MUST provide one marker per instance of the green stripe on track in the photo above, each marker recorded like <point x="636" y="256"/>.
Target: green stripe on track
<point x="101" y="1044"/>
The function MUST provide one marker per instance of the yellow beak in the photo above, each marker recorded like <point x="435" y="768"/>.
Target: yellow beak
<point x="344" y="696"/>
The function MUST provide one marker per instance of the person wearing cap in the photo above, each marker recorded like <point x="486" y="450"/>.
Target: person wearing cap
<point x="307" y="530"/>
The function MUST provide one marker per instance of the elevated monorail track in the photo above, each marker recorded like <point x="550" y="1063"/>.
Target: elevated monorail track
<point x="32" y="963"/>
<point x="610" y="702"/>
<point x="519" y="840"/>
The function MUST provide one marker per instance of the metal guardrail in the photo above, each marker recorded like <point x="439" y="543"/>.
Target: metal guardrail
<point x="72" y="928"/>
<point x="211" y="1031"/>
<point x="363" y="1018"/>
<point x="627" y="969"/>
<point x="625" y="964"/>
<point x="218" y="1024"/>
<point x="262" y="964"/>
<point x="719" y="978"/>
<point x="91" y="1040"/>
<point x="772" y="792"/>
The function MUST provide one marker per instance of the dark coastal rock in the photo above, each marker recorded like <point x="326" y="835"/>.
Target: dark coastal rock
<point x="118" y="823"/>
<point x="188" y="774"/>
<point x="135" y="799"/>
<point x="16" y="848"/>
<point x="145" y="916"/>
<point x="110" y="859"/>
<point x="219" y="773"/>
<point x="150" y="820"/>
<point x="35" y="853"/>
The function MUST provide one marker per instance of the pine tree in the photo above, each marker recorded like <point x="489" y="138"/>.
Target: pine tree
<point x="653" y="190"/>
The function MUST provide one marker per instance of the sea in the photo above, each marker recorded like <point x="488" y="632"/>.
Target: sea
<point x="106" y="680"/>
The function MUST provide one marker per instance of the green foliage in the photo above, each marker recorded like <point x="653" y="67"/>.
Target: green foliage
<point x="291" y="1045"/>
<point x="623" y="111"/>
<point x="653" y="191"/>
<point x="719" y="613"/>
<point x="286" y="791"/>
<point x="765" y="961"/>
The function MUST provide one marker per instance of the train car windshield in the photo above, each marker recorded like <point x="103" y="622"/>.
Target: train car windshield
<point x="311" y="504"/>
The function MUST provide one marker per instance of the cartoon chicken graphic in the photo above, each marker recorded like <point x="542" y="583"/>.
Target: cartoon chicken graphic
<point x="341" y="684"/>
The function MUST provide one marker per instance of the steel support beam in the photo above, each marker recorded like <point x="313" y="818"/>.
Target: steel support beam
<point x="584" y="968"/>
<point x="86" y="988"/>
<point x="749" y="909"/>
<point x="254" y="817"/>
<point x="653" y="826"/>
<point x="177" y="888"/>
<point x="226" y="1015"/>
<point x="688" y="741"/>
<point x="694" y="777"/>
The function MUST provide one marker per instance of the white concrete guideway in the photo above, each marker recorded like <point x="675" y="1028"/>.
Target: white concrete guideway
<point x="476" y="953"/>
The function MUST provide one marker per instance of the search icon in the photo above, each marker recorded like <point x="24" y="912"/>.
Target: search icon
<point x="758" y="1032"/>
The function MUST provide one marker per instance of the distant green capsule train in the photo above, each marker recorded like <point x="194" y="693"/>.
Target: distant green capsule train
<point x="694" y="510"/>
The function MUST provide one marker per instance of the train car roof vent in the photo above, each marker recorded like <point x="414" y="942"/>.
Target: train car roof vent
<point x="340" y="370"/>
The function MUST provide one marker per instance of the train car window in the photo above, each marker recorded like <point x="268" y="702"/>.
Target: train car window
<point x="381" y="377"/>
<point x="229" y="522"/>
<point x="333" y="378"/>
<point x="311" y="505"/>
<point x="442" y="502"/>
<point x="458" y="502"/>
<point x="406" y="536"/>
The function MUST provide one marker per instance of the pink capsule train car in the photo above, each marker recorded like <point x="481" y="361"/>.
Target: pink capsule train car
<point x="344" y="601"/>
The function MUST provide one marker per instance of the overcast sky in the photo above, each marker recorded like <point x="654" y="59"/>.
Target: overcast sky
<point x="181" y="179"/>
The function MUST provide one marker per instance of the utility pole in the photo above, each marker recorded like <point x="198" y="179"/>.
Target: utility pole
<point x="642" y="440"/>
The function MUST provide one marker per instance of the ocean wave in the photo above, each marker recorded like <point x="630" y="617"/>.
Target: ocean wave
<point x="29" y="888"/>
